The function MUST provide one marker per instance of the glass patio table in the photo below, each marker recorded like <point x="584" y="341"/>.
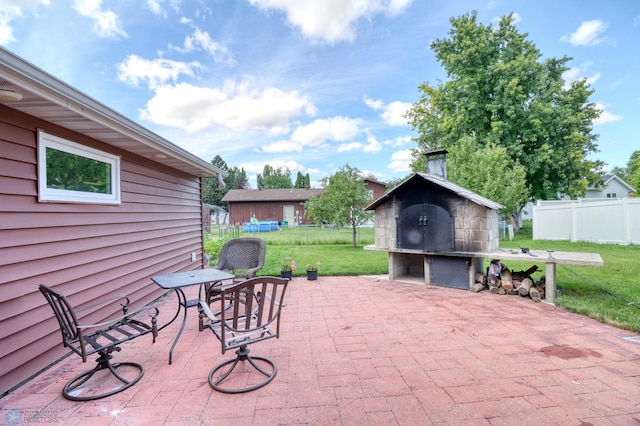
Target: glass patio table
<point x="179" y="280"/>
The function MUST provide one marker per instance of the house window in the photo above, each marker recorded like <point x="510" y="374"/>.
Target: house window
<point x="370" y="194"/>
<point x="73" y="173"/>
<point x="611" y="195"/>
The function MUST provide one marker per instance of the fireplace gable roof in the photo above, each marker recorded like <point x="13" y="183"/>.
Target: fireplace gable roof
<point x="441" y="182"/>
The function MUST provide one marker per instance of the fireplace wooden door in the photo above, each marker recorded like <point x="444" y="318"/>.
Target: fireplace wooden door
<point x="425" y="227"/>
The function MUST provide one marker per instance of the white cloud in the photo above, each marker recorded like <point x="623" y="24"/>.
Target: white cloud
<point x="15" y="7"/>
<point x="636" y="20"/>
<point x="588" y="34"/>
<point x="331" y="20"/>
<point x="282" y="146"/>
<point x="372" y="145"/>
<point x="105" y="22"/>
<point x="606" y="117"/>
<point x="6" y="30"/>
<point x="11" y="10"/>
<point x="258" y="167"/>
<point x="401" y="161"/>
<point x="398" y="141"/>
<point x="201" y="40"/>
<point x="515" y="18"/>
<point x="236" y="105"/>
<point x="392" y="113"/>
<point x="157" y="6"/>
<point x="320" y="131"/>
<point x="374" y="104"/>
<point x="578" y="73"/>
<point x="156" y="72"/>
<point x="353" y="146"/>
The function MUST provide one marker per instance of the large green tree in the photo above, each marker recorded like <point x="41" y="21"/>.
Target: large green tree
<point x="633" y="171"/>
<point x="490" y="172"/>
<point x="343" y="200"/>
<point x="237" y="179"/>
<point x="502" y="94"/>
<point x="630" y="173"/>
<point x="213" y="192"/>
<point x="273" y="178"/>
<point x="302" y="181"/>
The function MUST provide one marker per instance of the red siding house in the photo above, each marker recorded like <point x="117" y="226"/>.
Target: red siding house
<point x="139" y="213"/>
<point x="375" y="187"/>
<point x="281" y="205"/>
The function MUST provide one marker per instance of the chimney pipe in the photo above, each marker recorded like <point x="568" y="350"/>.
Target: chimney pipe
<point x="437" y="162"/>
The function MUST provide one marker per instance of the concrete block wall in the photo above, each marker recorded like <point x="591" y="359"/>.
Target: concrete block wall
<point x="476" y="227"/>
<point x="385" y="226"/>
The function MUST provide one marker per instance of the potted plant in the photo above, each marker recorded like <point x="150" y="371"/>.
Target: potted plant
<point x="312" y="271"/>
<point x="287" y="268"/>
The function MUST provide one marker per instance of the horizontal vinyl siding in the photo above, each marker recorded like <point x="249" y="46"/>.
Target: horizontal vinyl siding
<point x="86" y="251"/>
<point x="242" y="212"/>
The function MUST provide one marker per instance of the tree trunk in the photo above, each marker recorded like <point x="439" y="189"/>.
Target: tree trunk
<point x="355" y="235"/>
<point x="512" y="218"/>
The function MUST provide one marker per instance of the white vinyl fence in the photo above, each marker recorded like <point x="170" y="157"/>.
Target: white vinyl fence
<point x="608" y="221"/>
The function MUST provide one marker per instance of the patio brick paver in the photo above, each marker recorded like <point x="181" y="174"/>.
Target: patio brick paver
<point x="367" y="351"/>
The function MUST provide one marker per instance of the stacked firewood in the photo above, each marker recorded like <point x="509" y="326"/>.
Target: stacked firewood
<point x="512" y="283"/>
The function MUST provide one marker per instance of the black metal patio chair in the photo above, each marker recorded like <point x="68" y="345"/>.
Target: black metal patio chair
<point x="103" y="338"/>
<point x="242" y="257"/>
<point x="240" y="315"/>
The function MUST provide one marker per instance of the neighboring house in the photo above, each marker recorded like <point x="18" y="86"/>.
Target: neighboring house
<point x="375" y="187"/>
<point x="139" y="214"/>
<point x="613" y="187"/>
<point x="281" y="205"/>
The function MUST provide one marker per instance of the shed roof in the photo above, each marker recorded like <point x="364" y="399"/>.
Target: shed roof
<point x="263" y="195"/>
<point x="372" y="180"/>
<point x="50" y="99"/>
<point x="443" y="183"/>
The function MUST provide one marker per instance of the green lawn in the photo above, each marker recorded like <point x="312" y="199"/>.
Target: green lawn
<point x="610" y="293"/>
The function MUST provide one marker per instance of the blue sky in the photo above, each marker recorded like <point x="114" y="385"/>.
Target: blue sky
<point x="308" y="84"/>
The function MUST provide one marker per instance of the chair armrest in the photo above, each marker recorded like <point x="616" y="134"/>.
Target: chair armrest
<point x="251" y="273"/>
<point x="108" y="301"/>
<point x="124" y="317"/>
<point x="204" y="306"/>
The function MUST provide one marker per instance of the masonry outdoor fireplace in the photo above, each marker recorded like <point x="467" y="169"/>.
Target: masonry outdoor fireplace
<point x="434" y="230"/>
<point x="439" y="233"/>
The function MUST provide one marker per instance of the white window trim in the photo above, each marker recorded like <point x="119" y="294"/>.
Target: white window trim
<point x="45" y="194"/>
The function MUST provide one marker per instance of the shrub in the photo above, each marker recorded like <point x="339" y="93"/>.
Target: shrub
<point x="212" y="247"/>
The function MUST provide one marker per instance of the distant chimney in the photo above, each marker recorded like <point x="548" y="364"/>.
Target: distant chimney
<point x="437" y="162"/>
